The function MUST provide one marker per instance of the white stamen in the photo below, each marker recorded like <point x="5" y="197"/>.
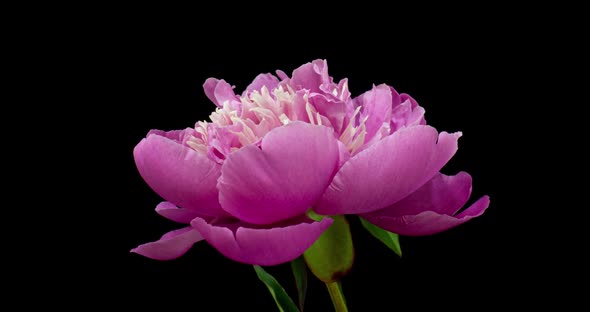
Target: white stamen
<point x="263" y="113"/>
<point x="310" y="110"/>
<point x="199" y="147"/>
<point x="359" y="140"/>
<point x="344" y="87"/>
<point x="284" y="119"/>
<point x="246" y="136"/>
<point x="349" y="132"/>
<point x="319" y="118"/>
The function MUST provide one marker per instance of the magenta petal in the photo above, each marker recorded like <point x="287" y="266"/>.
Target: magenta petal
<point x="429" y="222"/>
<point x="219" y="91"/>
<point x="442" y="194"/>
<point x="179" y="174"/>
<point x="261" y="246"/>
<point x="169" y="211"/>
<point x="268" y="80"/>
<point x="281" y="179"/>
<point x="430" y="209"/>
<point x="172" y="245"/>
<point x="388" y="171"/>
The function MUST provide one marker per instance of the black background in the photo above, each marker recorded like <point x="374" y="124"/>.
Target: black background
<point x="150" y="77"/>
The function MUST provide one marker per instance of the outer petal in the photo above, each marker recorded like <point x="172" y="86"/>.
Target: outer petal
<point x="178" y="136"/>
<point x="283" y="178"/>
<point x="268" y="80"/>
<point x="429" y="222"/>
<point x="442" y="194"/>
<point x="219" y="91"/>
<point x="261" y="246"/>
<point x="172" y="245"/>
<point x="344" y="154"/>
<point x="179" y="174"/>
<point x="388" y="171"/>
<point x="170" y="211"/>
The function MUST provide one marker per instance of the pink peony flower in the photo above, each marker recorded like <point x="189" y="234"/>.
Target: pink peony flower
<point x="245" y="181"/>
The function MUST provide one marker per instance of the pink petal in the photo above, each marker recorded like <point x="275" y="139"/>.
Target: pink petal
<point x="170" y="211"/>
<point x="377" y="105"/>
<point x="343" y="154"/>
<point x="179" y="174"/>
<point x="267" y="246"/>
<point x="334" y="110"/>
<point x="268" y="80"/>
<point x="338" y="91"/>
<point x="406" y="113"/>
<point x="310" y="76"/>
<point x="281" y="179"/>
<point x="442" y="194"/>
<point x="172" y="245"/>
<point x="281" y="74"/>
<point x="174" y="135"/>
<point x="178" y="136"/>
<point x="429" y="222"/>
<point x="388" y="171"/>
<point x="219" y="91"/>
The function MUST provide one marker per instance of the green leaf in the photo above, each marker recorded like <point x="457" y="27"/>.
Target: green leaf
<point x="390" y="239"/>
<point x="332" y="255"/>
<point x="300" y="273"/>
<point x="283" y="301"/>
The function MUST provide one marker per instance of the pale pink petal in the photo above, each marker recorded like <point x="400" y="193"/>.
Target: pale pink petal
<point x="261" y="246"/>
<point x="219" y="91"/>
<point x="388" y="171"/>
<point x="281" y="179"/>
<point x="310" y="76"/>
<point x="179" y="174"/>
<point x="377" y="105"/>
<point x="339" y="92"/>
<point x="268" y="80"/>
<point x="281" y="74"/>
<point x="332" y="109"/>
<point x="172" y="245"/>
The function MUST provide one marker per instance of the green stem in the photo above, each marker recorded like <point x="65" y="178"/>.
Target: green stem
<point x="337" y="297"/>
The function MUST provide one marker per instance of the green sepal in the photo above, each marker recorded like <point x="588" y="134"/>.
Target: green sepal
<point x="282" y="299"/>
<point x="332" y="255"/>
<point x="300" y="273"/>
<point x="390" y="239"/>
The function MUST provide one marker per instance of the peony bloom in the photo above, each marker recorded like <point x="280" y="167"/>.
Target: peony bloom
<point x="245" y="181"/>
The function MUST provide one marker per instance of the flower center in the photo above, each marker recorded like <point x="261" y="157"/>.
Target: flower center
<point x="248" y="118"/>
